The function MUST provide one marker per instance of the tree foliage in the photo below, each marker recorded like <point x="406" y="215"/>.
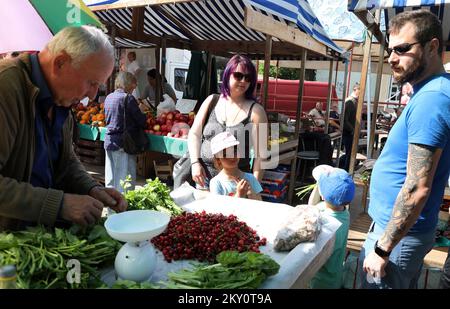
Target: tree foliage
<point x="288" y="73"/>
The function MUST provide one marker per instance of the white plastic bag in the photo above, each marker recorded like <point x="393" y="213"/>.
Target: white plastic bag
<point x="183" y="195"/>
<point x="165" y="106"/>
<point x="302" y="224"/>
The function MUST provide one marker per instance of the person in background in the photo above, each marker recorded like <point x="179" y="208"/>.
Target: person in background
<point x="318" y="114"/>
<point x="408" y="179"/>
<point x="237" y="112"/>
<point x="333" y="119"/>
<point x="149" y="91"/>
<point x="231" y="180"/>
<point x="334" y="112"/>
<point x="134" y="68"/>
<point x="337" y="189"/>
<point x="133" y="65"/>
<point x="118" y="163"/>
<point x="407" y="92"/>
<point x="349" y="125"/>
<point x="41" y="179"/>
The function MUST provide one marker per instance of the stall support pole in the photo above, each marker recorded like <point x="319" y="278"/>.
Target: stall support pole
<point x="349" y="72"/>
<point x="208" y="73"/>
<point x="158" y="79"/>
<point x="267" y="57"/>
<point x="377" y="93"/>
<point x="297" y="126"/>
<point x="341" y="115"/>
<point x="163" y="60"/>
<point x="359" y="107"/>
<point x="330" y="81"/>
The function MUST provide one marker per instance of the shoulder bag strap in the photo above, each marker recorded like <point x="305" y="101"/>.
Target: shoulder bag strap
<point x="125" y="112"/>
<point x="211" y="107"/>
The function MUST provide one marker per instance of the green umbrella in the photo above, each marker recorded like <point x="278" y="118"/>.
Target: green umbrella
<point x="29" y="24"/>
<point x="58" y="14"/>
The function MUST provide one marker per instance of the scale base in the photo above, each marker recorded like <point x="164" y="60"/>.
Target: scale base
<point x="135" y="261"/>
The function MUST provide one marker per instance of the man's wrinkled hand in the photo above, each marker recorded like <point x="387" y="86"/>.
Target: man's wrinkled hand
<point x="110" y="197"/>
<point x="81" y="209"/>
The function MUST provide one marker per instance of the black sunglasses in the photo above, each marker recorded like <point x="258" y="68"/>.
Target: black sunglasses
<point x="240" y="76"/>
<point x="402" y="48"/>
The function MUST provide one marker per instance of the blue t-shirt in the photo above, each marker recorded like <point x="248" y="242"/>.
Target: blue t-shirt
<point x="223" y="186"/>
<point x="426" y="121"/>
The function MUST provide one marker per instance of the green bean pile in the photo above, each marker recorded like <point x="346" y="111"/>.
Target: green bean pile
<point x="41" y="256"/>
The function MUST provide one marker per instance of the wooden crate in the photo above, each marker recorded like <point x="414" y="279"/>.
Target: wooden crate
<point x="91" y="152"/>
<point x="144" y="163"/>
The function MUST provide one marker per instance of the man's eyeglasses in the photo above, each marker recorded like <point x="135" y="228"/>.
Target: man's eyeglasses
<point x="402" y="48"/>
<point x="241" y="76"/>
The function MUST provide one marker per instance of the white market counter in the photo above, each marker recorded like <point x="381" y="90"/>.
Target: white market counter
<point x="298" y="266"/>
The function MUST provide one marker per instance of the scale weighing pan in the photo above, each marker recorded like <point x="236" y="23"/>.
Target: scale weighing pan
<point x="136" y="225"/>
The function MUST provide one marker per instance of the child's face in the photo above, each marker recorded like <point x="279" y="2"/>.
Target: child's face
<point x="229" y="157"/>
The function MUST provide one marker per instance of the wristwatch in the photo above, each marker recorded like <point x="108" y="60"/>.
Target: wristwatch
<point x="380" y="252"/>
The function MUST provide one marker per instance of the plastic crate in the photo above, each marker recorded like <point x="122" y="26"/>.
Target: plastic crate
<point x="283" y="168"/>
<point x="274" y="180"/>
<point x="275" y="198"/>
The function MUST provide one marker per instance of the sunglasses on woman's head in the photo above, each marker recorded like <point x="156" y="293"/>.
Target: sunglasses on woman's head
<point x="402" y="48"/>
<point x="241" y="76"/>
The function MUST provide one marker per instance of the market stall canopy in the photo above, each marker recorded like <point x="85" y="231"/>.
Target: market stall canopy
<point x="338" y="22"/>
<point x="27" y="25"/>
<point x="390" y="8"/>
<point x="218" y="26"/>
<point x="300" y="13"/>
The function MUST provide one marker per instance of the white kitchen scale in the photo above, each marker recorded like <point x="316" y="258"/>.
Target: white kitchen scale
<point x="136" y="260"/>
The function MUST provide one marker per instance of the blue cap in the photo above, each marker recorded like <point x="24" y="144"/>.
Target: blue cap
<point x="337" y="187"/>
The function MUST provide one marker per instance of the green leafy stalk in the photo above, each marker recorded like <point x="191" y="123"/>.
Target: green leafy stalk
<point x="305" y="190"/>
<point x="234" y="270"/>
<point x="154" y="195"/>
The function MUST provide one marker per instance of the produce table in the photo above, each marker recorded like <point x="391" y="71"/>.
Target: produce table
<point x="298" y="266"/>
<point x="163" y="144"/>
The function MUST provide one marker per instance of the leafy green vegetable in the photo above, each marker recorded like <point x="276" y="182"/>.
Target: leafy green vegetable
<point x="41" y="255"/>
<point x="154" y="196"/>
<point x="246" y="270"/>
<point x="128" y="284"/>
<point x="365" y="176"/>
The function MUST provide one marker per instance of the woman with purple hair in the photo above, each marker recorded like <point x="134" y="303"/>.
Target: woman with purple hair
<point x="234" y="110"/>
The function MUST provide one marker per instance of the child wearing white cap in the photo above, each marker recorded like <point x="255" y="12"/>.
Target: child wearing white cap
<point x="337" y="189"/>
<point x="231" y="180"/>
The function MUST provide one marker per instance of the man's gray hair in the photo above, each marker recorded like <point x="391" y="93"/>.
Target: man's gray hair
<point x="80" y="42"/>
<point x="124" y="80"/>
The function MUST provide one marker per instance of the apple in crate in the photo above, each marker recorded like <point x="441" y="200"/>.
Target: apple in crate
<point x="184" y="132"/>
<point x="156" y="127"/>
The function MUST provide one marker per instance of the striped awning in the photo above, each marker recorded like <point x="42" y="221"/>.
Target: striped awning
<point x="393" y="7"/>
<point x="364" y="5"/>
<point x="210" y="20"/>
<point x="300" y="13"/>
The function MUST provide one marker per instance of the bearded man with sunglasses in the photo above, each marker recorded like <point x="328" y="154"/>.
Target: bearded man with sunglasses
<point x="409" y="177"/>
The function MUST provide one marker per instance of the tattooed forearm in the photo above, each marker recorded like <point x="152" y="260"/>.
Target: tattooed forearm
<point x="412" y="196"/>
